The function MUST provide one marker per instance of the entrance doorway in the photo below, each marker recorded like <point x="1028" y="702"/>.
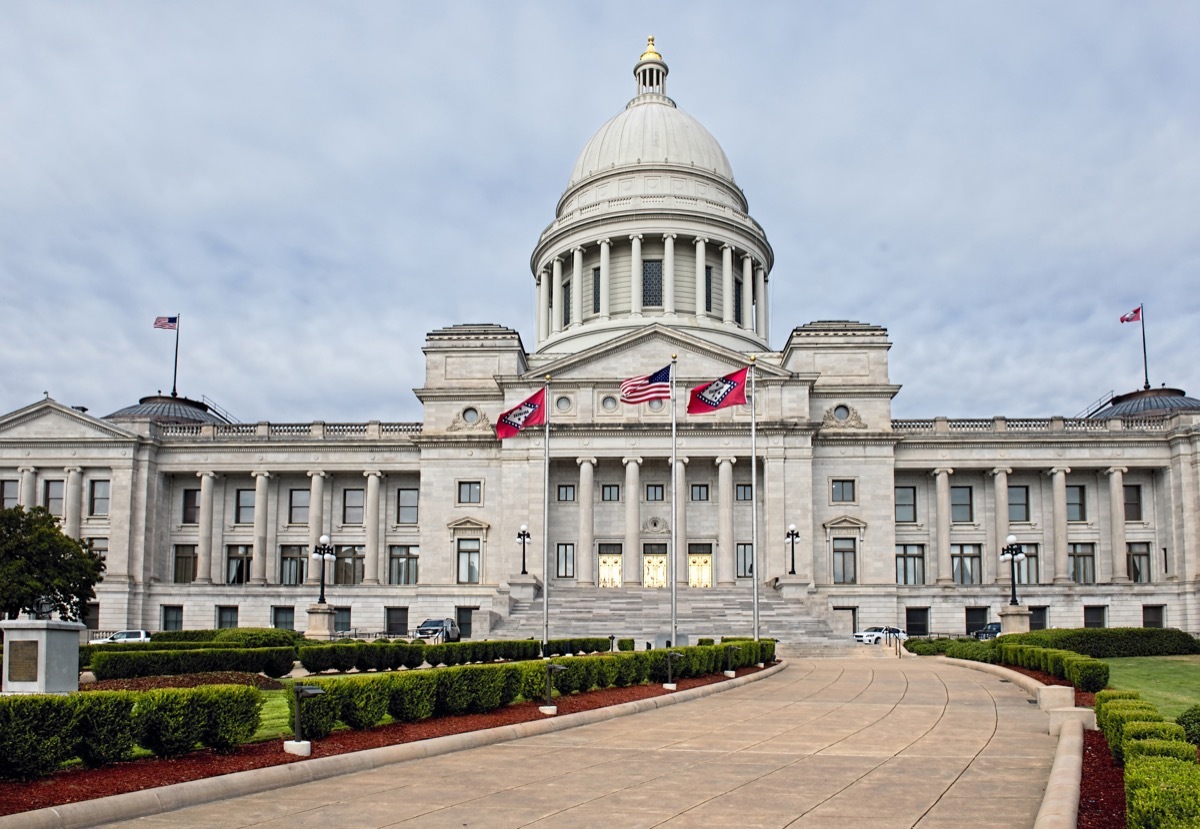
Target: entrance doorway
<point x="609" y="560"/>
<point x="700" y="565"/>
<point x="654" y="565"/>
<point x="462" y="615"/>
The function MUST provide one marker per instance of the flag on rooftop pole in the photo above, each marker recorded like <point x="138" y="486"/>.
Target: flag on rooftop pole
<point x="1133" y="316"/>
<point x="529" y="412"/>
<point x="171" y="324"/>
<point x="1136" y="316"/>
<point x="729" y="390"/>
<point x="167" y="323"/>
<point x="653" y="386"/>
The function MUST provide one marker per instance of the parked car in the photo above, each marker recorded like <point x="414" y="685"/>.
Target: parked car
<point x="989" y="631"/>
<point x="444" y="629"/>
<point x="124" y="636"/>
<point x="878" y="634"/>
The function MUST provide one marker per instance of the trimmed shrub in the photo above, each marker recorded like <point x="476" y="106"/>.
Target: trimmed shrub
<point x="1190" y="720"/>
<point x="316" y="658"/>
<point x="370" y="657"/>
<point x="230" y="715"/>
<point x="436" y="655"/>
<point x="625" y="644"/>
<point x="1116" y="716"/>
<point x="166" y="721"/>
<point x="274" y="662"/>
<point x="1153" y="731"/>
<point x="186" y="635"/>
<point x="259" y="637"/>
<point x="344" y="655"/>
<point x="1179" y="749"/>
<point x="1162" y="793"/>
<point x="37" y="732"/>
<point x="364" y="700"/>
<point x="1108" y="695"/>
<point x="972" y="649"/>
<point x="1086" y="673"/>
<point x="454" y="691"/>
<point x="1106" y="643"/>
<point x="1103" y="712"/>
<point x="105" y="731"/>
<point x="412" y="695"/>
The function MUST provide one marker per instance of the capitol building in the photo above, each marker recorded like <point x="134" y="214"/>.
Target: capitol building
<point x="652" y="254"/>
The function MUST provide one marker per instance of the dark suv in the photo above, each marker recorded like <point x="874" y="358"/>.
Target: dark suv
<point x="446" y="630"/>
<point x="989" y="631"/>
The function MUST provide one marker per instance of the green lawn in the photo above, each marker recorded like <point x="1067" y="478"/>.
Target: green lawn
<point x="1172" y="683"/>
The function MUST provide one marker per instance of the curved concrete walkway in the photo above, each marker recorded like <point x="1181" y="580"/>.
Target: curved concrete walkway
<point x="840" y="743"/>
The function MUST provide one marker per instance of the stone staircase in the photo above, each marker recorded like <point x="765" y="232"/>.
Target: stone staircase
<point x="645" y="614"/>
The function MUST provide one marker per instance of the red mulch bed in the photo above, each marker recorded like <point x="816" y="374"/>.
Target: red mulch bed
<point x="76" y="784"/>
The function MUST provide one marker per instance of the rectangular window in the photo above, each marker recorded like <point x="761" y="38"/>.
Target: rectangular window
<point x="910" y="564"/>
<point x="172" y="617"/>
<point x="1138" y="553"/>
<point x="244" y="510"/>
<point x="595" y="290"/>
<point x="468" y="560"/>
<point x="916" y="621"/>
<point x="52" y="497"/>
<point x="566" y="309"/>
<point x="609" y="549"/>
<point x="396" y="619"/>
<point x="1018" y="503"/>
<point x="1152" y="615"/>
<point x="844" y="571"/>
<point x="1038" y="617"/>
<point x="353" y="506"/>
<point x="341" y="620"/>
<point x="962" y="504"/>
<point x="406" y="506"/>
<point x="1027" y="570"/>
<point x="402" y="564"/>
<point x="566" y="492"/>
<point x="708" y="289"/>
<point x="1094" y="616"/>
<point x="293" y="564"/>
<point x="283" y="618"/>
<point x="98" y="497"/>
<point x="744" y="492"/>
<point x="565" y="557"/>
<point x="237" y="563"/>
<point x="1133" y="505"/>
<point x="349" y="563"/>
<point x="8" y="494"/>
<point x="1081" y="561"/>
<point x="843" y="492"/>
<point x="976" y="617"/>
<point x="185" y="564"/>
<point x="652" y="283"/>
<point x="99" y="545"/>
<point x="227" y="616"/>
<point x="737" y="301"/>
<point x="655" y="492"/>
<point x="470" y="492"/>
<point x="191" y="507"/>
<point x="298" y="506"/>
<point x="699" y="492"/>
<point x="906" y="505"/>
<point x="966" y="560"/>
<point x="610" y="492"/>
<point x="745" y="561"/>
<point x="1076" y="503"/>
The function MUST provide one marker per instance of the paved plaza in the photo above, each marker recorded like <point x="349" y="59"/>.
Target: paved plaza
<point x="824" y="743"/>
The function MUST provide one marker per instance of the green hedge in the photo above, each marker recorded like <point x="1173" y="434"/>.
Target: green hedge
<point x="37" y="733"/>
<point x="274" y="662"/>
<point x="105" y="726"/>
<point x="1162" y="793"/>
<point x="258" y="638"/>
<point x="1117" y="715"/>
<point x="1108" y="643"/>
<point x="392" y="655"/>
<point x="86" y="652"/>
<point x="626" y="644"/>
<point x="1190" y="721"/>
<point x="187" y="635"/>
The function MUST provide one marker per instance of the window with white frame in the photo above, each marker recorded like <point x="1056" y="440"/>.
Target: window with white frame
<point x="966" y="562"/>
<point x="845" y="569"/>
<point x="469" y="560"/>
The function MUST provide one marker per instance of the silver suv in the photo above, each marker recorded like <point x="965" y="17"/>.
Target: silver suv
<point x="445" y="630"/>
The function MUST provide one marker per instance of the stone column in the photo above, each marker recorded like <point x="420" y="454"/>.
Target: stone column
<point x="762" y="322"/>
<point x="316" y="522"/>
<point x="605" y="276"/>
<point x="747" y="292"/>
<point x="583" y="549"/>
<point x="633" y="522"/>
<point x="679" y="481"/>
<point x="577" y="289"/>
<point x="1001" y="474"/>
<point x="1062" y="573"/>
<point x="258" y="563"/>
<point x="27" y="492"/>
<point x="556" y="300"/>
<point x="1116" y="501"/>
<point x="543" y="305"/>
<point x="669" y="274"/>
<point x="73" y="501"/>
<point x="726" y="551"/>
<point x="371" y="517"/>
<point x="944" y="569"/>
<point x="635" y="276"/>
<point x="204" y="545"/>
<point x="727" y="284"/>
<point x="701" y="265"/>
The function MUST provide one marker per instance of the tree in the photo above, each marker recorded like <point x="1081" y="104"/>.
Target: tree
<point x="37" y="560"/>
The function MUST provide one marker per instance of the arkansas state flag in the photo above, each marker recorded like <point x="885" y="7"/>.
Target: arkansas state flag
<point x="1132" y="316"/>
<point x="532" y="412"/>
<point x="729" y="390"/>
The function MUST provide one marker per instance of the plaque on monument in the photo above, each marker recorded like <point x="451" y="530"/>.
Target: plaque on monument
<point x="23" y="661"/>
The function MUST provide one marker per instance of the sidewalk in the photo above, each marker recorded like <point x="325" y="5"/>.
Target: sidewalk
<point x="840" y="743"/>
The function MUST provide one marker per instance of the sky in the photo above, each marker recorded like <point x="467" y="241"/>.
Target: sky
<point x="313" y="186"/>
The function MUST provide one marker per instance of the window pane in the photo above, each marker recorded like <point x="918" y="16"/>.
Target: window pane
<point x="402" y="564"/>
<point x="53" y="497"/>
<point x="652" y="282"/>
<point x="406" y="506"/>
<point x="566" y="299"/>
<point x="227" y="617"/>
<point x="98" y="500"/>
<point x="191" y="506"/>
<point x="654" y="492"/>
<point x="967" y="563"/>
<point x="237" y="563"/>
<point x="744" y="492"/>
<point x="298" y="506"/>
<point x="566" y="561"/>
<point x="283" y="618"/>
<point x="910" y="564"/>
<point x="962" y="509"/>
<point x="699" y="492"/>
<point x="906" y="504"/>
<point x="1076" y="505"/>
<point x="1018" y="503"/>
<point x="843" y="491"/>
<point x="1133" y="502"/>
<point x="349" y="564"/>
<point x="245" y="506"/>
<point x="595" y="290"/>
<point x="172" y="617"/>
<point x="185" y="564"/>
<point x="610" y="492"/>
<point x="469" y="492"/>
<point x="468" y="560"/>
<point x="293" y="564"/>
<point x="8" y="494"/>
<point x="843" y="561"/>
<point x="566" y="492"/>
<point x="1081" y="561"/>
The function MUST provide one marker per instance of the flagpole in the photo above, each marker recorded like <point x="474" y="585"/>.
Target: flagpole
<point x="1145" y="363"/>
<point x="546" y="528"/>
<point x="674" y="512"/>
<point x="179" y="322"/>
<point x="754" y="492"/>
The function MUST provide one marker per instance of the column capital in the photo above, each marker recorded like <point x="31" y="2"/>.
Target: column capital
<point x="680" y="459"/>
<point x="632" y="460"/>
<point x="700" y="240"/>
<point x="667" y="236"/>
<point x="635" y="237"/>
<point x="372" y="473"/>
<point x="748" y="255"/>
<point x="604" y="241"/>
<point x="1059" y="470"/>
<point x="942" y="470"/>
<point x="725" y="459"/>
<point x="582" y="461"/>
<point x="26" y="469"/>
<point x="260" y="473"/>
<point x="206" y="473"/>
<point x="70" y="469"/>
<point x="317" y="473"/>
<point x="1116" y="470"/>
<point x="557" y="260"/>
<point x="1001" y="470"/>
<point x="727" y="246"/>
<point x="577" y="249"/>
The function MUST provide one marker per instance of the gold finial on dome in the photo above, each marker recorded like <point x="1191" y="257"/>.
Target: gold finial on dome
<point x="650" y="54"/>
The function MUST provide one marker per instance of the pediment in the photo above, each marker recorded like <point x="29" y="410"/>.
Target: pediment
<point x="50" y="420"/>
<point x="845" y="522"/>
<point x="468" y="525"/>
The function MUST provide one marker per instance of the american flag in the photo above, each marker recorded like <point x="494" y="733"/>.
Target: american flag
<point x="169" y="323"/>
<point x="656" y="386"/>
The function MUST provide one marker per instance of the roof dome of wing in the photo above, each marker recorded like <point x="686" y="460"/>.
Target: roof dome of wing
<point x="1161" y="402"/>
<point x="163" y="408"/>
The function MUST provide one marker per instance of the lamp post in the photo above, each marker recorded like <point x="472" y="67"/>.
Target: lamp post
<point x="523" y="536"/>
<point x="1013" y="553"/>
<point x="792" y="535"/>
<point x="322" y="554"/>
